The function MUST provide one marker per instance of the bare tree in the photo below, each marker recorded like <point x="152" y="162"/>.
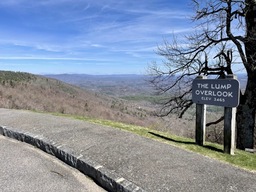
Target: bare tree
<point x="225" y="34"/>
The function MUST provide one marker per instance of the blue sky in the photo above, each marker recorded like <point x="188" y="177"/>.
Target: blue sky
<point x="87" y="36"/>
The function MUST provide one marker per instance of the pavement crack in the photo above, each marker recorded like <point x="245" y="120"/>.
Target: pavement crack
<point x="55" y="172"/>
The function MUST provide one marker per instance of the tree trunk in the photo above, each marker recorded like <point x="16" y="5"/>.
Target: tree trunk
<point x="247" y="107"/>
<point x="246" y="116"/>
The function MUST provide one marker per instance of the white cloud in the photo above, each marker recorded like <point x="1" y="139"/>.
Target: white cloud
<point x="92" y="30"/>
<point x="53" y="58"/>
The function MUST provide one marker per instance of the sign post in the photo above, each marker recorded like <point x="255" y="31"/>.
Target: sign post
<point x="229" y="127"/>
<point x="200" y="121"/>
<point x="220" y="92"/>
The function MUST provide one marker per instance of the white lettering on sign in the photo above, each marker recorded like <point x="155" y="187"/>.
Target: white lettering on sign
<point x="203" y="86"/>
<point x="214" y="93"/>
<point x="220" y="86"/>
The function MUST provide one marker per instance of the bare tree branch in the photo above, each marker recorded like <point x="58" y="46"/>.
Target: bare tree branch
<point x="215" y="122"/>
<point x="225" y="30"/>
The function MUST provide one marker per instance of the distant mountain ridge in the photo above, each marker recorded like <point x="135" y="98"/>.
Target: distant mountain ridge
<point x="113" y="85"/>
<point x="118" y="85"/>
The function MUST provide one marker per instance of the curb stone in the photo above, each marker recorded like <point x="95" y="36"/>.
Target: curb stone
<point x="104" y="177"/>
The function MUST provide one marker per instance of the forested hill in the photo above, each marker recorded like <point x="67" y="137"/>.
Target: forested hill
<point x="32" y="92"/>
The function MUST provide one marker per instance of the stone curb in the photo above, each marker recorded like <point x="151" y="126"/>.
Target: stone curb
<point x="104" y="177"/>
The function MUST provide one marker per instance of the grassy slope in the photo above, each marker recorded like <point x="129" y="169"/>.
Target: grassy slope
<point x="241" y="159"/>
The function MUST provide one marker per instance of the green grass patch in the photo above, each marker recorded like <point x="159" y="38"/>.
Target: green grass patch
<point x="241" y="158"/>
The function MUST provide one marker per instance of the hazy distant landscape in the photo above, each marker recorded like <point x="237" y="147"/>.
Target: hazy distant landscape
<point x="114" y="85"/>
<point x="123" y="86"/>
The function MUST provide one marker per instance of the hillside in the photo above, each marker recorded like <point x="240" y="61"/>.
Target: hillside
<point x="26" y="91"/>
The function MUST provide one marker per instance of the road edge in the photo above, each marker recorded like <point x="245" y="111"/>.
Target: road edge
<point x="102" y="176"/>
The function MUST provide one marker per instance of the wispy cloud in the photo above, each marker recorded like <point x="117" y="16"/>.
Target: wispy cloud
<point x="88" y="31"/>
<point x="53" y="58"/>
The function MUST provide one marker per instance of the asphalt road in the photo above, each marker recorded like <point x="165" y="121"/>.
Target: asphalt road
<point x="24" y="168"/>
